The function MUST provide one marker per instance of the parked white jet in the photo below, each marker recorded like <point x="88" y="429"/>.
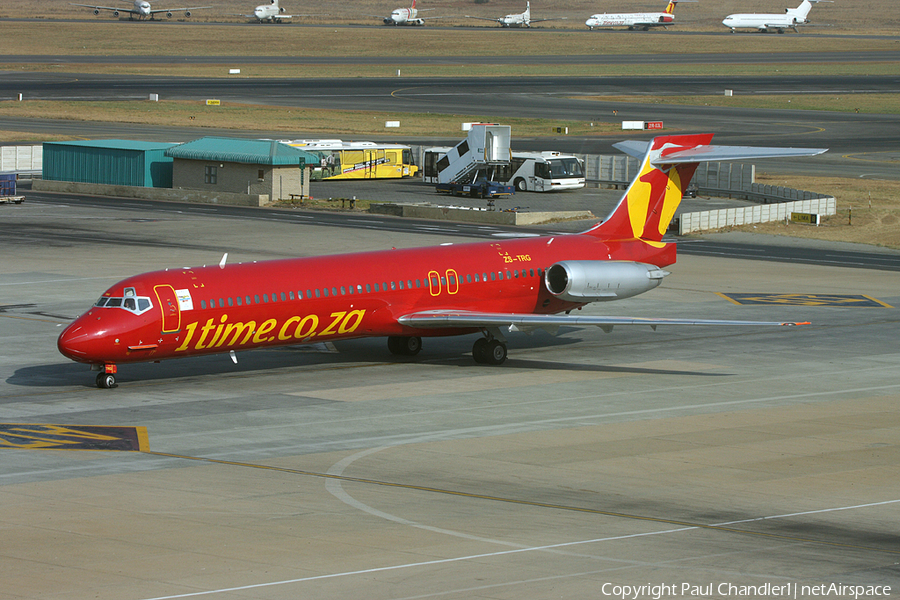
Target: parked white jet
<point x="405" y="16"/>
<point x="271" y="13"/>
<point x="522" y="19"/>
<point x="765" y="22"/>
<point x="636" y="20"/>
<point x="141" y="10"/>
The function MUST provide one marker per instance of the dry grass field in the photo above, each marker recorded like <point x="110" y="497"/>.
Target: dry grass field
<point x="330" y="123"/>
<point x="868" y="211"/>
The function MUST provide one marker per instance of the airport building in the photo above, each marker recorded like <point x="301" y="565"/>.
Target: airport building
<point x="254" y="167"/>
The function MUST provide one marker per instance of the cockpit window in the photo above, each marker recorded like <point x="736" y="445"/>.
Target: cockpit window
<point x="131" y="302"/>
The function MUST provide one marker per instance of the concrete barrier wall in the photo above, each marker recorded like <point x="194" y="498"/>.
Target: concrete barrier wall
<point x="165" y="194"/>
<point x="424" y="211"/>
<point x="761" y="213"/>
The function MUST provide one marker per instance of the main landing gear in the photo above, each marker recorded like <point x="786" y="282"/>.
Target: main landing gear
<point x="404" y="346"/>
<point x="489" y="351"/>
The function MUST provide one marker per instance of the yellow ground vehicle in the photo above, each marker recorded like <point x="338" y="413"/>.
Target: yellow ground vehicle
<point x="357" y="160"/>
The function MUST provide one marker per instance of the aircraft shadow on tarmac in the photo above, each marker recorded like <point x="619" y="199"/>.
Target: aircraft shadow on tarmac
<point x="361" y="352"/>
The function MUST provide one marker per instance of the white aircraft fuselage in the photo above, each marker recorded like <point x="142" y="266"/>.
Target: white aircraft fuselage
<point x="790" y="19"/>
<point x="269" y="12"/>
<point x="630" y="20"/>
<point x="141" y="10"/>
<point x="404" y="16"/>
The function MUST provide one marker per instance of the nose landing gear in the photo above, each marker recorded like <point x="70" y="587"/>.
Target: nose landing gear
<point x="106" y="379"/>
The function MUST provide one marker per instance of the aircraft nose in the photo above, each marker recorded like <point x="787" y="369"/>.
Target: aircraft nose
<point x="75" y="342"/>
<point x="83" y="340"/>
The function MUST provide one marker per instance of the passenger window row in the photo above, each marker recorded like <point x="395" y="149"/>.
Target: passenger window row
<point x="368" y="288"/>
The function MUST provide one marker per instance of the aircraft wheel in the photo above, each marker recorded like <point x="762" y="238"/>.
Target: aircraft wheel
<point x="405" y="346"/>
<point x="395" y="345"/>
<point x="106" y="381"/>
<point x="521" y="186"/>
<point x="495" y="352"/>
<point x="412" y="345"/>
<point x="480" y="351"/>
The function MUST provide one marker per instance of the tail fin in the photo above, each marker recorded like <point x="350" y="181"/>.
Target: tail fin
<point x="801" y="11"/>
<point x="649" y="204"/>
<point x="671" y="7"/>
<point x="667" y="166"/>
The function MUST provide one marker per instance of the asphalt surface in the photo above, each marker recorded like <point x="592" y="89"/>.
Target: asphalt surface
<point x="599" y="201"/>
<point x="683" y="456"/>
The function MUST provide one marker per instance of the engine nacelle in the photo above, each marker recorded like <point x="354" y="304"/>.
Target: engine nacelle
<point x="115" y="13"/>
<point x="168" y="15"/>
<point x="418" y="22"/>
<point x="281" y="10"/>
<point x="187" y="13"/>
<point x="599" y="280"/>
<point x="96" y="12"/>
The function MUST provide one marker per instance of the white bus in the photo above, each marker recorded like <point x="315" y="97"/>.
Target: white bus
<point x="527" y="171"/>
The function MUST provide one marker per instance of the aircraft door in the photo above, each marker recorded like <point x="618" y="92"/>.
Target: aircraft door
<point x="488" y="146"/>
<point x="168" y="305"/>
<point x="369" y="157"/>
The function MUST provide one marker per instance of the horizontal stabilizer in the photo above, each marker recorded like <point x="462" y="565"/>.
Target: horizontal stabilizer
<point x="438" y="318"/>
<point x="707" y="153"/>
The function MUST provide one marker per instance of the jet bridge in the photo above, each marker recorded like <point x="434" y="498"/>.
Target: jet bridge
<point x="487" y="144"/>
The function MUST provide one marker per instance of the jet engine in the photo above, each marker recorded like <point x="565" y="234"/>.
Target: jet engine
<point x="281" y="10"/>
<point x="599" y="280"/>
<point x="169" y="15"/>
<point x="187" y="13"/>
<point x="418" y="22"/>
<point x="115" y="13"/>
<point x="96" y="12"/>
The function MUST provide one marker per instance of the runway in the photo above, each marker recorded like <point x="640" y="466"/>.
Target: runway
<point x="588" y="461"/>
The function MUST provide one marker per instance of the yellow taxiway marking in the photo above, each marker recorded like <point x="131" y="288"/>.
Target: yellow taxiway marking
<point x="848" y="300"/>
<point x="39" y="436"/>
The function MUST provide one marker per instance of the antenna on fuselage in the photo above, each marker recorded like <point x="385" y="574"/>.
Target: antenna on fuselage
<point x="222" y="262"/>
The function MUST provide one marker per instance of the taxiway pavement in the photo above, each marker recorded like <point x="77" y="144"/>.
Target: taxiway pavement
<point x="684" y="456"/>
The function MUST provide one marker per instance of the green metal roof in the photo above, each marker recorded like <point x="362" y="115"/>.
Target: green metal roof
<point x="117" y="144"/>
<point x="256" y="152"/>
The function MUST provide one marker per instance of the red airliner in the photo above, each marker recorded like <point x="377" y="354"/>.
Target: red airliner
<point x="452" y="289"/>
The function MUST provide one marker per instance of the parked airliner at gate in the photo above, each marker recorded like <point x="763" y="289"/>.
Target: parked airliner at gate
<point x="405" y="295"/>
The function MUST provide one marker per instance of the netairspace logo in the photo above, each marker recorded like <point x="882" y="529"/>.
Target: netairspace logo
<point x="728" y="590"/>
